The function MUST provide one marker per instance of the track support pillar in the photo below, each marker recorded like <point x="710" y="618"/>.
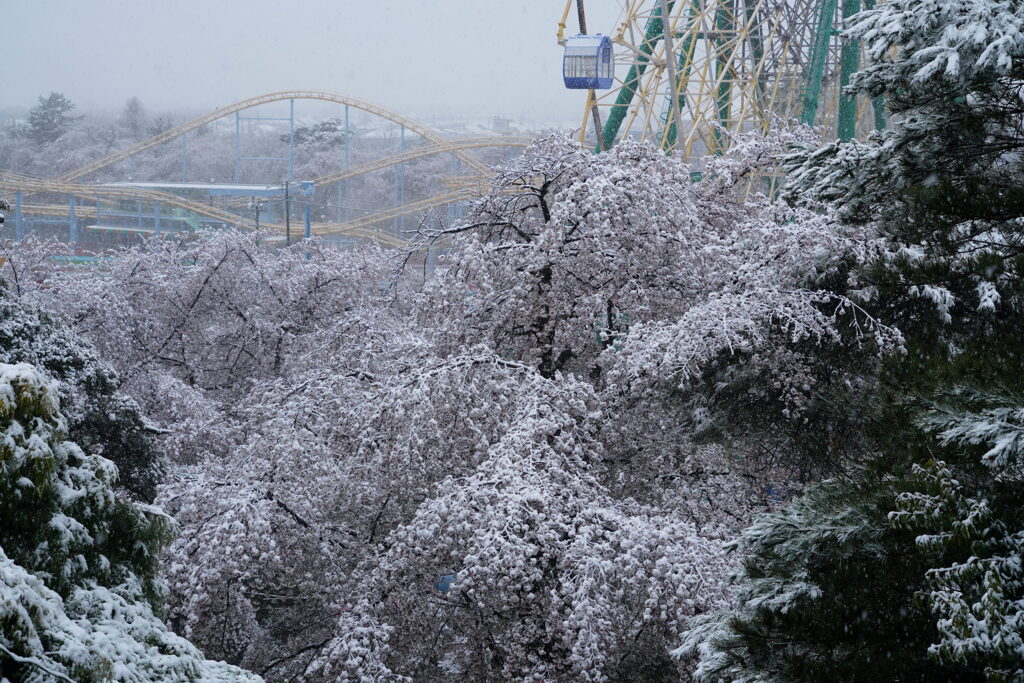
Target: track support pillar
<point x="73" y="232"/>
<point x="343" y="187"/>
<point x="291" y="141"/>
<point x="238" y="147"/>
<point x="184" y="158"/>
<point x="399" y="181"/>
<point x="19" y="220"/>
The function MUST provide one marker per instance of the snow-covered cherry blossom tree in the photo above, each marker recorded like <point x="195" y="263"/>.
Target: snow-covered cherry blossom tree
<point x="192" y="324"/>
<point x="525" y="567"/>
<point x="518" y="469"/>
<point x="619" y="268"/>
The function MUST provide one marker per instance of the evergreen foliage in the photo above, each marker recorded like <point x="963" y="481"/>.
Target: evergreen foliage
<point x="79" y="593"/>
<point x="100" y="418"/>
<point x="973" y="516"/>
<point x="816" y="597"/>
<point x="909" y="568"/>
<point x="50" y="119"/>
<point x="133" y="119"/>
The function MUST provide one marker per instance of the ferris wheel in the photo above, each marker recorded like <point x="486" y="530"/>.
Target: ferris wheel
<point x="714" y="66"/>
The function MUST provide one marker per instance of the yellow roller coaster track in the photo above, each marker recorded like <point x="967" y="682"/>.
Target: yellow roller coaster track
<point x="322" y="95"/>
<point x="463" y="188"/>
<point x="363" y="222"/>
<point x="411" y="155"/>
<point x="14" y="182"/>
<point x="426" y="150"/>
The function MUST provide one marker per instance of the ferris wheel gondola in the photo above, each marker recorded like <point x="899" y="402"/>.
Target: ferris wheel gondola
<point x="588" y="62"/>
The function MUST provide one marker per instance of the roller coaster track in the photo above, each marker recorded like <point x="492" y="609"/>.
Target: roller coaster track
<point x="13" y="182"/>
<point x="427" y="150"/>
<point x="95" y="192"/>
<point x="356" y="227"/>
<point x="323" y="95"/>
<point x="469" y="191"/>
<point x="411" y="155"/>
<point x="462" y="188"/>
<point x="363" y="222"/>
<point x="59" y="210"/>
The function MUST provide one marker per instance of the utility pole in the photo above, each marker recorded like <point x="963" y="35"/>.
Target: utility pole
<point x="287" y="217"/>
<point x="256" y="206"/>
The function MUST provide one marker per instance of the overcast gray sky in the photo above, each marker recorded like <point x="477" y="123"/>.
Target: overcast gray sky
<point x="475" y="57"/>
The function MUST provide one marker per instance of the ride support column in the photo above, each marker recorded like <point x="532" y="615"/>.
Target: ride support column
<point x="19" y="227"/>
<point x="73" y="232"/>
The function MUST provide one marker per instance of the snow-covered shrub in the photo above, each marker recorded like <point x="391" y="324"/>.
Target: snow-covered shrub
<point x="79" y="592"/>
<point x="101" y="418"/>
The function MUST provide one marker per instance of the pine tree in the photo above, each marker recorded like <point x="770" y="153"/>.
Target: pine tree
<point x="916" y="557"/>
<point x="50" y="119"/>
<point x="80" y="599"/>
<point x="133" y="119"/>
<point x="100" y="418"/>
<point x="970" y="513"/>
<point x="816" y="597"/>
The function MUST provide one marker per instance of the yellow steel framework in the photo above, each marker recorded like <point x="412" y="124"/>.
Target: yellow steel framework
<point x="424" y="151"/>
<point x="322" y="95"/>
<point x="357" y="228"/>
<point x="739" y="65"/>
<point x="361" y="226"/>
